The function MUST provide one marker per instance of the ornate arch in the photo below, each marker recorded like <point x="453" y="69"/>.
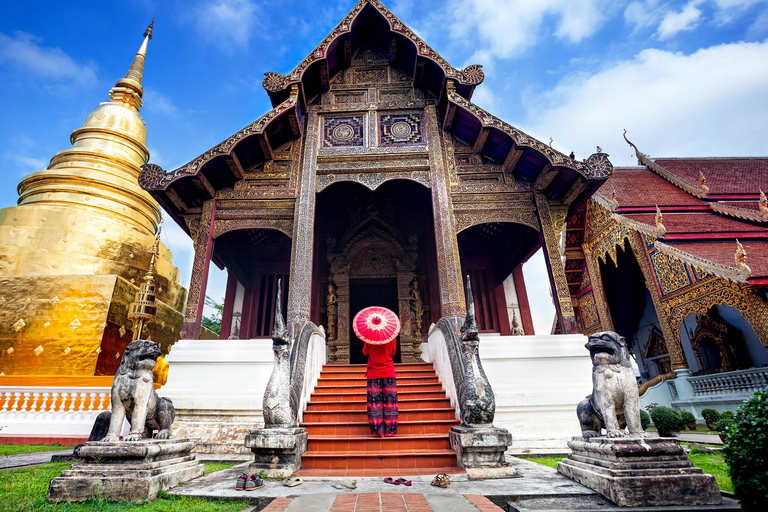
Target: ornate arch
<point x="371" y="180"/>
<point x="469" y="219"/>
<point x="222" y="226"/>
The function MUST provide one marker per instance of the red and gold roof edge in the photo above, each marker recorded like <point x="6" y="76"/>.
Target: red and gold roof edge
<point x="471" y="75"/>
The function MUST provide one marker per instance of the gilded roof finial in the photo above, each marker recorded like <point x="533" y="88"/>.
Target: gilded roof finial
<point x="614" y="201"/>
<point x="660" y="221"/>
<point x="128" y="89"/>
<point x="703" y="183"/>
<point x="637" y="151"/>
<point x="762" y="205"/>
<point x="741" y="259"/>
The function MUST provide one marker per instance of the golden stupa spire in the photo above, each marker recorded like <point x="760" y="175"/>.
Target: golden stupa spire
<point x="128" y="89"/>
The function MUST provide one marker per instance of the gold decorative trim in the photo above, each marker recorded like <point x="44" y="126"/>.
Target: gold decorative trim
<point x="699" y="191"/>
<point x="731" y="274"/>
<point x="740" y="213"/>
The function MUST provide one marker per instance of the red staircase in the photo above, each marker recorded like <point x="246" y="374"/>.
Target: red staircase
<point x="341" y="444"/>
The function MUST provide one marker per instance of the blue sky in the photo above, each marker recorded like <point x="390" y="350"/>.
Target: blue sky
<point x="685" y="78"/>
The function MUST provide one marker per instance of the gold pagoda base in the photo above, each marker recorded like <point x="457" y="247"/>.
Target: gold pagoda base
<point x="72" y="325"/>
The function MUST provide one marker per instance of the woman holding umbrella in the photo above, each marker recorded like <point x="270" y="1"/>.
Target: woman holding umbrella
<point x="378" y="327"/>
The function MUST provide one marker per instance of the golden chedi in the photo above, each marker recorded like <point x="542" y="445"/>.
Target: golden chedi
<point x="76" y="247"/>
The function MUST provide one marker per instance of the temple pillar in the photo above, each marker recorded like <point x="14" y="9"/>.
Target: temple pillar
<point x="229" y="305"/>
<point x="452" y="299"/>
<point x="551" y="245"/>
<point x="199" y="281"/>
<point x="410" y="351"/>
<point x="339" y="348"/>
<point x="593" y="269"/>
<point x="300" y="287"/>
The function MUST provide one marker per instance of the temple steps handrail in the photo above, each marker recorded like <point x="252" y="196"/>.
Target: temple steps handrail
<point x="738" y="381"/>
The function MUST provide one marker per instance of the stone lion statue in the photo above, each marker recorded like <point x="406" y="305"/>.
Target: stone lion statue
<point x="133" y="396"/>
<point x="614" y="403"/>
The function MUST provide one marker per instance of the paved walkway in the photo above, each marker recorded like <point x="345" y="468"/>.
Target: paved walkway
<point x="699" y="438"/>
<point x="381" y="502"/>
<point x="30" y="459"/>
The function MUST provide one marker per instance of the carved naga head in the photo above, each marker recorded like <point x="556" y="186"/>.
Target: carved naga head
<point x="281" y="339"/>
<point x="469" y="331"/>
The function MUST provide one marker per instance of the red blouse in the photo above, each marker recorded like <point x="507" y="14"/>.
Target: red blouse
<point x="380" y="364"/>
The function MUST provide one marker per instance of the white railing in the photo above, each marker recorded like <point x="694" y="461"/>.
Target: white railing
<point x="740" y="381"/>
<point x="50" y="411"/>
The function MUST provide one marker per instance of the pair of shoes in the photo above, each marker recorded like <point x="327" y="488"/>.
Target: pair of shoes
<point x="441" y="480"/>
<point x="248" y="483"/>
<point x="292" y="481"/>
<point x="399" y="481"/>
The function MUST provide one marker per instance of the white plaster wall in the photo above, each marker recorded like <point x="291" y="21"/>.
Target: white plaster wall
<point x="219" y="374"/>
<point x="538" y="381"/>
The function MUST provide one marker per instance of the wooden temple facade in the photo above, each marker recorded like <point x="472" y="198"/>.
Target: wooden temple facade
<point x="375" y="180"/>
<point x="672" y="255"/>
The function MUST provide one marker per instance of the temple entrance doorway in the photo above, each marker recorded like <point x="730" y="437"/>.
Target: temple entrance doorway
<point x="364" y="293"/>
<point x="375" y="247"/>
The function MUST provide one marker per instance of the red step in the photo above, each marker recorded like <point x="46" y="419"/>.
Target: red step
<point x="337" y="423"/>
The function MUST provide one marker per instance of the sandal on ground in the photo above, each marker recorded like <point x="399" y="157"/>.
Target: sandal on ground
<point x="253" y="483"/>
<point x="441" y="480"/>
<point x="241" y="480"/>
<point x="402" y="481"/>
<point x="292" y="481"/>
<point x="389" y="480"/>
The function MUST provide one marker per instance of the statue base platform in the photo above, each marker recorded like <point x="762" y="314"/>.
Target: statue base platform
<point x="277" y="451"/>
<point x="123" y="471"/>
<point x="633" y="471"/>
<point x="480" y="451"/>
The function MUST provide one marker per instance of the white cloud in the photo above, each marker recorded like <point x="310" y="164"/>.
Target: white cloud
<point x="674" y="22"/>
<point x="672" y="104"/>
<point x="226" y="22"/>
<point x="506" y="28"/>
<point x="642" y="14"/>
<point x="23" y="52"/>
<point x="156" y="102"/>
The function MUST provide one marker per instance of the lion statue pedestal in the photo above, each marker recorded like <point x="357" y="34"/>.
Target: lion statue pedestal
<point x="136" y="468"/>
<point x="629" y="467"/>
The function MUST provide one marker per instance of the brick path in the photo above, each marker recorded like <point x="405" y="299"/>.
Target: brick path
<point x="385" y="502"/>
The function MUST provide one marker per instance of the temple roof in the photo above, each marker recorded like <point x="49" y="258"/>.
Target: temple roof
<point x="370" y="24"/>
<point x="704" y="227"/>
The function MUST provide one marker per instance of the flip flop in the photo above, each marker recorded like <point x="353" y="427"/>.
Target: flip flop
<point x="389" y="480"/>
<point x="399" y="481"/>
<point x="292" y="481"/>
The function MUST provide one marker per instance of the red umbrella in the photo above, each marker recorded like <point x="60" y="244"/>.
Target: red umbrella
<point x="376" y="325"/>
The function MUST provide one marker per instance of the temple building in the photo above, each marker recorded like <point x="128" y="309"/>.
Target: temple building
<point x="374" y="179"/>
<point x="672" y="255"/>
<point x="74" y="250"/>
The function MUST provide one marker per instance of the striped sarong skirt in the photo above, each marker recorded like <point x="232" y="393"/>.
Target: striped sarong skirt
<point x="382" y="406"/>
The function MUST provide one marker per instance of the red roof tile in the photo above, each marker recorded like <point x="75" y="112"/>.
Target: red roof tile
<point x="723" y="253"/>
<point x="700" y="222"/>
<point x="724" y="175"/>
<point x="639" y="186"/>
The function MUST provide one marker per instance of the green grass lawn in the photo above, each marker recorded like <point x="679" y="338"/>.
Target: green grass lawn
<point x="24" y="489"/>
<point x="711" y="463"/>
<point x="16" y="449"/>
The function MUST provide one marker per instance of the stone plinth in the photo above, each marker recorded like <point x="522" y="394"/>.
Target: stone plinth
<point x="277" y="451"/>
<point x="639" y="472"/>
<point x="480" y="451"/>
<point x="124" y="471"/>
